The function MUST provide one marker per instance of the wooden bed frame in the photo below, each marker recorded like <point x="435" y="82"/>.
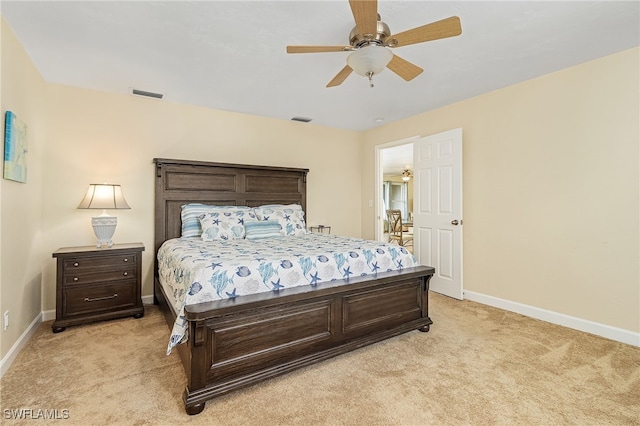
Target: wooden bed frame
<point x="239" y="342"/>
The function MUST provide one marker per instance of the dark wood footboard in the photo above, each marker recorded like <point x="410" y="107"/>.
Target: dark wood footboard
<point x="240" y="342"/>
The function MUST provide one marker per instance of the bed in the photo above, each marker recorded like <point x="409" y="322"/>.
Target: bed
<point x="241" y="340"/>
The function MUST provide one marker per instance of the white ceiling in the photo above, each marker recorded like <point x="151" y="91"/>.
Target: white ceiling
<point x="231" y="55"/>
<point x="397" y="159"/>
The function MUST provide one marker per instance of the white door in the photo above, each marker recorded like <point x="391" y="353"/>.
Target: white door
<point x="437" y="209"/>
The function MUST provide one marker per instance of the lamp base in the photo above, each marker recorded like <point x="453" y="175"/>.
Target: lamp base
<point x="104" y="227"/>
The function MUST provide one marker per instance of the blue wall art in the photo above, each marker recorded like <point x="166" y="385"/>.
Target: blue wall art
<point x="15" y="149"/>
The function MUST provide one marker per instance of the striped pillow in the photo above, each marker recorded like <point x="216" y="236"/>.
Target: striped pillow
<point x="264" y="229"/>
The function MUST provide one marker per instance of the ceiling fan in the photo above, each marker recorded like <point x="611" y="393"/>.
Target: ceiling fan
<point x="370" y="40"/>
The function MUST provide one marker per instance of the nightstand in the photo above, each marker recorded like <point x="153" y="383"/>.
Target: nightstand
<point x="95" y="284"/>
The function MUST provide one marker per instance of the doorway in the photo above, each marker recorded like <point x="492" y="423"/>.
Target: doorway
<point x="392" y="192"/>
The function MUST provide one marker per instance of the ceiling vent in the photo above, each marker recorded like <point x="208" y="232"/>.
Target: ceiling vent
<point x="301" y="119"/>
<point x="147" y="94"/>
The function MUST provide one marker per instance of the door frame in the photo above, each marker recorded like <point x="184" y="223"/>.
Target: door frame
<point x="379" y="220"/>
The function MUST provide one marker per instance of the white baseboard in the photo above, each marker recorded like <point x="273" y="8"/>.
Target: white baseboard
<point x="613" y="333"/>
<point x="48" y="315"/>
<point x="147" y="300"/>
<point x="19" y="344"/>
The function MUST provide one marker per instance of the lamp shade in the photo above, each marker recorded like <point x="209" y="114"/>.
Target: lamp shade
<point x="104" y="196"/>
<point x="369" y="60"/>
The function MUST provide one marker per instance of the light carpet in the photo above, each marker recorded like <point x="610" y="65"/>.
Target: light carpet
<point x="477" y="366"/>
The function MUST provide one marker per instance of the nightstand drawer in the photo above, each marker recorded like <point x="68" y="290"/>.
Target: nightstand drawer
<point x="96" y="298"/>
<point x="82" y="264"/>
<point x="84" y="277"/>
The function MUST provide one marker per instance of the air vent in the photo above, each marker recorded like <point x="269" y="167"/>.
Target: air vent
<point x="301" y="119"/>
<point x="147" y="94"/>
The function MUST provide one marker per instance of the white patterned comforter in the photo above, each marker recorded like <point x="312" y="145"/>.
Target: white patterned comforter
<point x="193" y="271"/>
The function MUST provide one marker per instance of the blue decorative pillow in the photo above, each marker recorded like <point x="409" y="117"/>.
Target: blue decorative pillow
<point x="190" y="216"/>
<point x="264" y="229"/>
<point x="226" y="224"/>
<point x="289" y="216"/>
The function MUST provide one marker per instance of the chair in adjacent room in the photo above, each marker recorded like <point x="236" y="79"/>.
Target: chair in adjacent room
<point x="396" y="229"/>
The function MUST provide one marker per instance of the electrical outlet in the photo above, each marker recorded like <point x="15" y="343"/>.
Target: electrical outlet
<point x="6" y="320"/>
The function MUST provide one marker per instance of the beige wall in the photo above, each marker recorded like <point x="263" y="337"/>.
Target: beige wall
<point x="551" y="189"/>
<point x="21" y="208"/>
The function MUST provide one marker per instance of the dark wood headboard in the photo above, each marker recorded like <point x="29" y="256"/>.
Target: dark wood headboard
<point x="180" y="182"/>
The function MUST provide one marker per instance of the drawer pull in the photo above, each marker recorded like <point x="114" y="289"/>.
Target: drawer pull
<point x="76" y="264"/>
<point x="126" y="259"/>
<point x="75" y="278"/>
<point x="95" y="299"/>
<point x="125" y="274"/>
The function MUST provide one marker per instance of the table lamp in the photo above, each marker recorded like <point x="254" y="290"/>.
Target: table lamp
<point x="104" y="196"/>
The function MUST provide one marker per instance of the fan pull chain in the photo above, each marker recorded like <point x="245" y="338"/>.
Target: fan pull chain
<point x="370" y="75"/>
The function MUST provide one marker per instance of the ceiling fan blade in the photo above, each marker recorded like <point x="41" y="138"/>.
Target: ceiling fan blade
<point x="317" y="49"/>
<point x="404" y="68"/>
<point x="340" y="77"/>
<point x="365" y="13"/>
<point x="449" y="27"/>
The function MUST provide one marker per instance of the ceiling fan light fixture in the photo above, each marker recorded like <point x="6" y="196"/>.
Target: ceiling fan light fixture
<point x="406" y="175"/>
<point x="370" y="60"/>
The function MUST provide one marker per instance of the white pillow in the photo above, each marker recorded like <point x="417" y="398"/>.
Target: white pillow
<point x="190" y="216"/>
<point x="227" y="224"/>
<point x="289" y="216"/>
